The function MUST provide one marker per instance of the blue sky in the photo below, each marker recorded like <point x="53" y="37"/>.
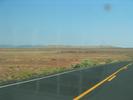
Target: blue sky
<point x="66" y="22"/>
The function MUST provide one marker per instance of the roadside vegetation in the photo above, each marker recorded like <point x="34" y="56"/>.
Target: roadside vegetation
<point x="21" y="64"/>
<point x="20" y="75"/>
<point x="29" y="74"/>
<point x="85" y="63"/>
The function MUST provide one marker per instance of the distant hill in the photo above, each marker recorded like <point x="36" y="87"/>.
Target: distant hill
<point x="56" y="46"/>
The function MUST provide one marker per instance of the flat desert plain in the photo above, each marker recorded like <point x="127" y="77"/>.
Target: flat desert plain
<point x="20" y="63"/>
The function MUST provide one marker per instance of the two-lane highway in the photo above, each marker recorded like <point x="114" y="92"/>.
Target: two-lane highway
<point x="120" y="88"/>
<point x="107" y="82"/>
<point x="107" y="79"/>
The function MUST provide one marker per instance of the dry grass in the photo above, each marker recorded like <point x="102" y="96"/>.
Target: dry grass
<point x="23" y="63"/>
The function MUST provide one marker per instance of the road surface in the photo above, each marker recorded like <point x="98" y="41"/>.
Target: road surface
<point x="105" y="82"/>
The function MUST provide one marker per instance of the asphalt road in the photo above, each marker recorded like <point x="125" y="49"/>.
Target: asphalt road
<point x="68" y="86"/>
<point x="120" y="88"/>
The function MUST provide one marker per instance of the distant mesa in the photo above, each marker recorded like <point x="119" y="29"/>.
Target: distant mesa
<point x="57" y="46"/>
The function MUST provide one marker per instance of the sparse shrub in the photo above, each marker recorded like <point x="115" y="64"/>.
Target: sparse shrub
<point x="85" y="63"/>
<point x="76" y="66"/>
<point x="24" y="75"/>
<point x="108" y="61"/>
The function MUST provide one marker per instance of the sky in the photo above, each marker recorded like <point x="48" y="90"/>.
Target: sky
<point x="66" y="22"/>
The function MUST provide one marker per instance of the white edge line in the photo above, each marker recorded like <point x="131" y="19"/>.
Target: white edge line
<point x="36" y="79"/>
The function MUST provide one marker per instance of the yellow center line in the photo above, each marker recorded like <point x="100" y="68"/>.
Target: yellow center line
<point x="100" y="83"/>
<point x="112" y="78"/>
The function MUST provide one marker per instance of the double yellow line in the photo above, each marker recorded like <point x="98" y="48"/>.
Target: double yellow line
<point x="109" y="78"/>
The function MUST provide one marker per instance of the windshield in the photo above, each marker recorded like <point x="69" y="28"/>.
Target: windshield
<point x="66" y="49"/>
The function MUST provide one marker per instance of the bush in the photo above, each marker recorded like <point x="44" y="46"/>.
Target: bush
<point x="76" y="66"/>
<point x="85" y="63"/>
<point x="108" y="61"/>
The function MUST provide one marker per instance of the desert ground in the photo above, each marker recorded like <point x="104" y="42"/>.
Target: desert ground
<point x="21" y="63"/>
